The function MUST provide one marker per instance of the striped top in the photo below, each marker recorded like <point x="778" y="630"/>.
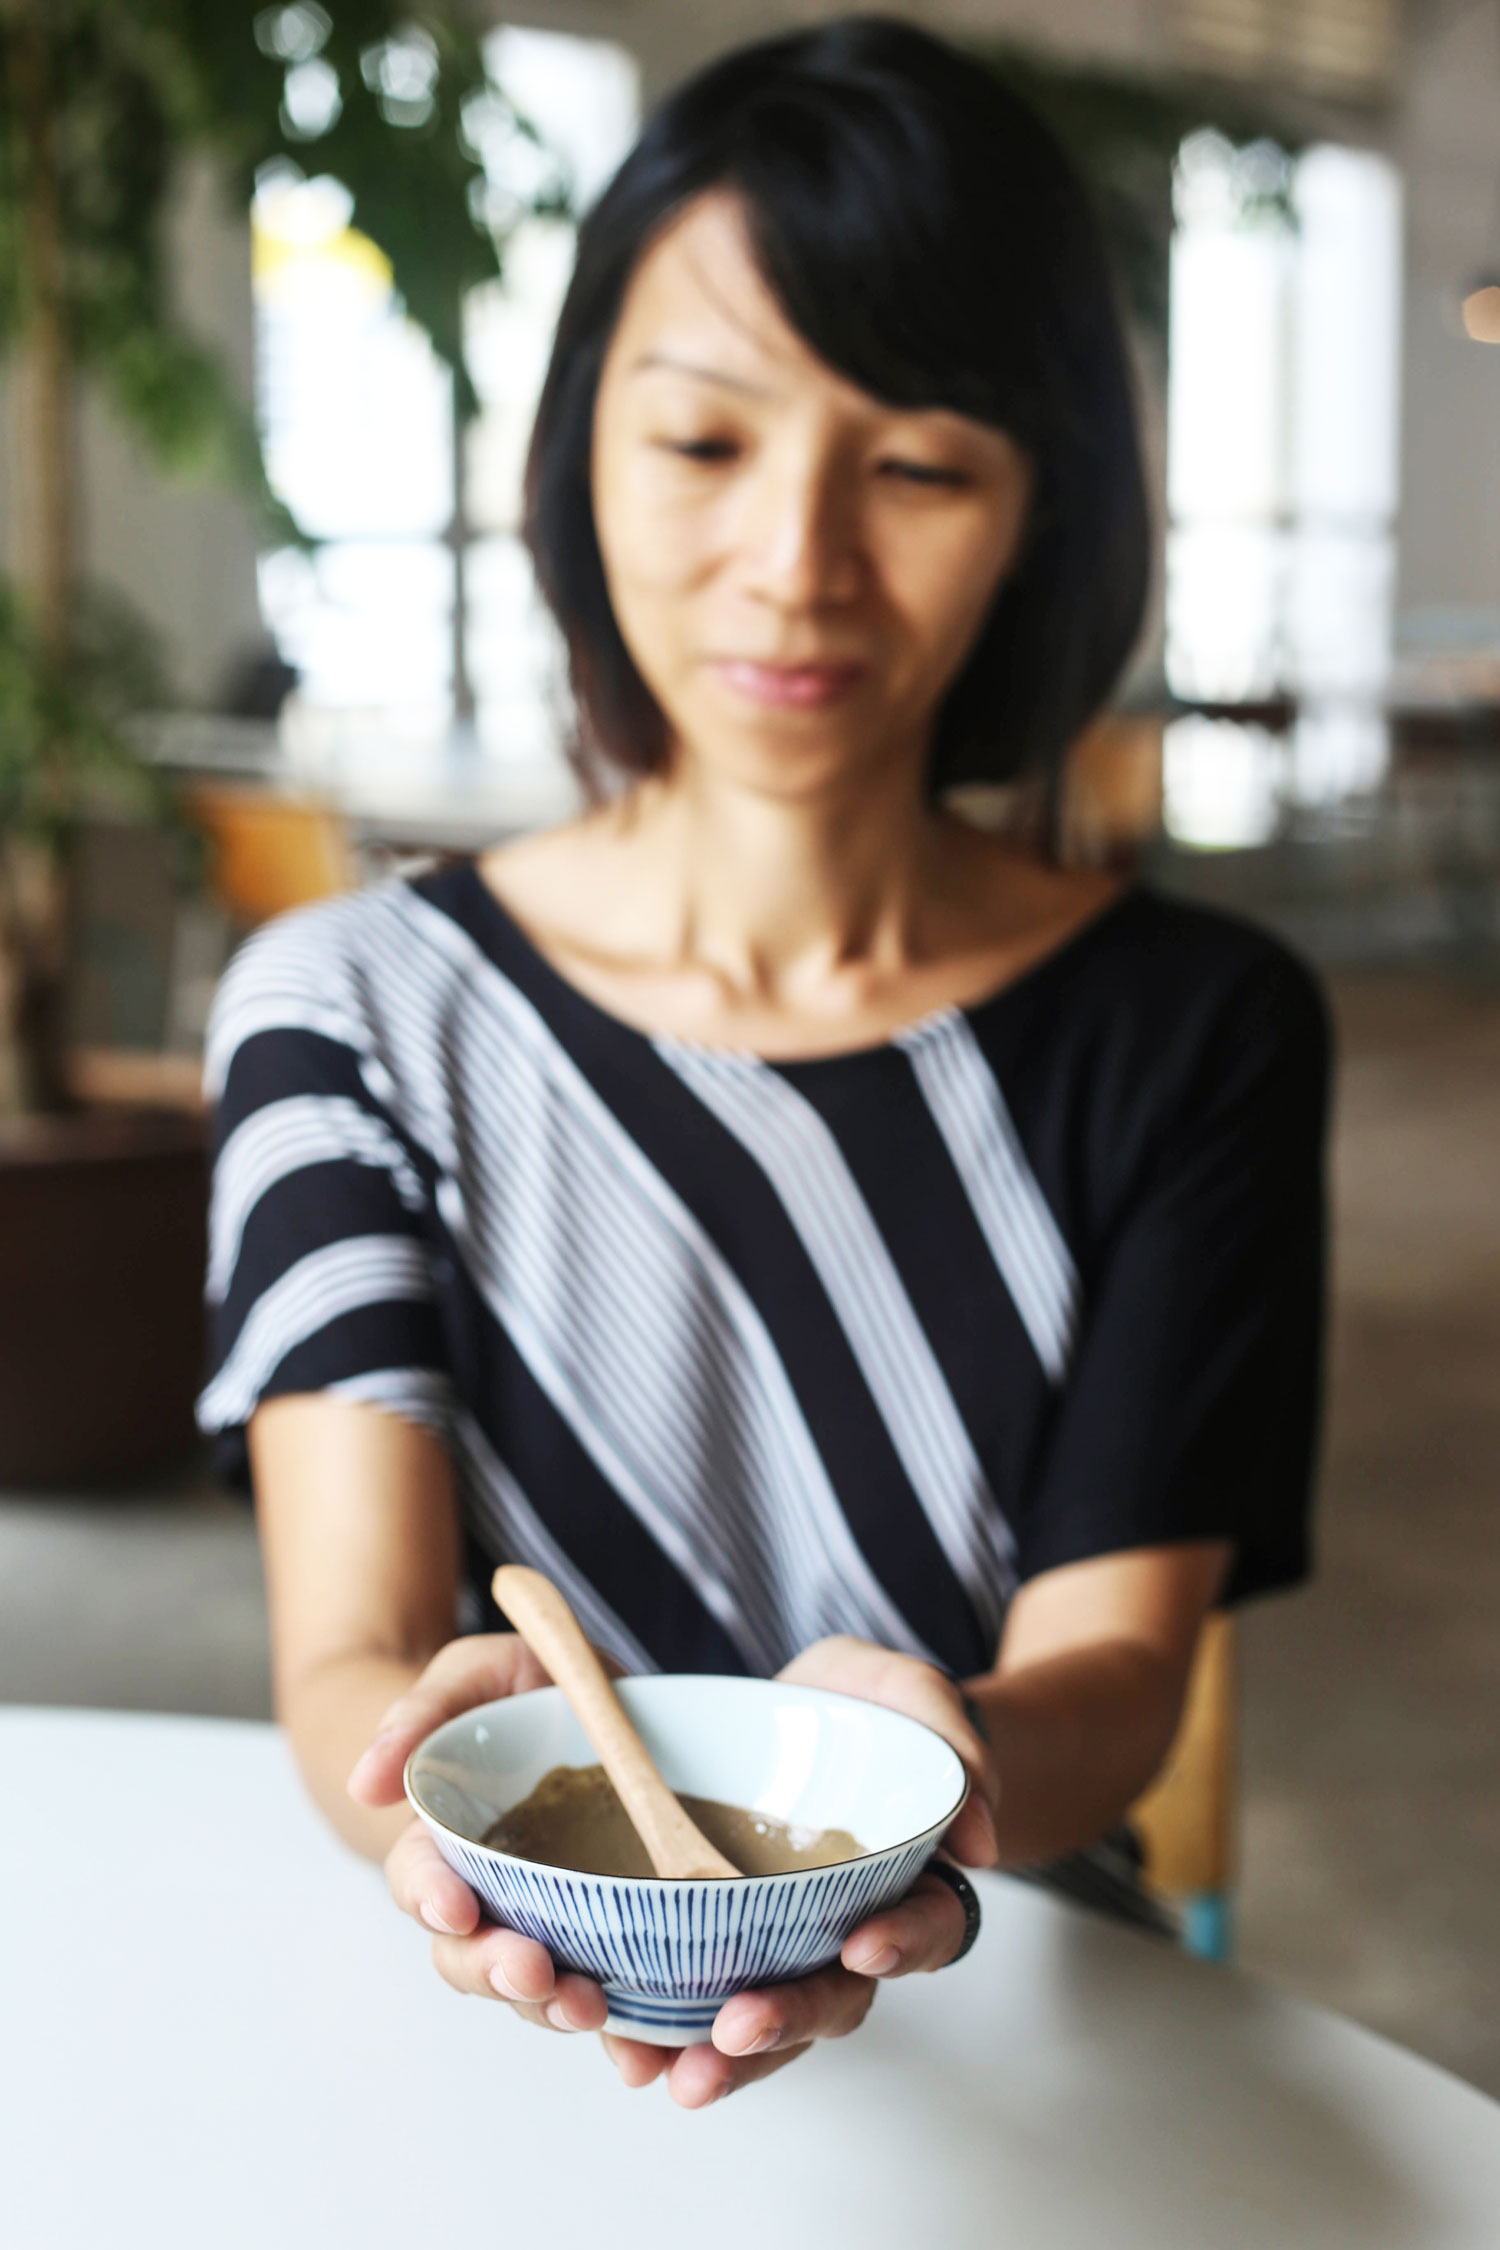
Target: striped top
<point x="743" y="1353"/>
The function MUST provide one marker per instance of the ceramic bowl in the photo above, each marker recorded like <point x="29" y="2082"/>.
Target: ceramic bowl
<point x="668" y="1954"/>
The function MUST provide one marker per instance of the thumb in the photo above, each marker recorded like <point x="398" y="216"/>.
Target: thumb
<point x="480" y="1668"/>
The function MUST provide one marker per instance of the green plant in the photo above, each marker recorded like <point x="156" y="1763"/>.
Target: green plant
<point x="99" y="102"/>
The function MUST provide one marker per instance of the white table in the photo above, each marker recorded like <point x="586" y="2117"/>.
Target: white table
<point x="216" y="2034"/>
<point x="395" y="782"/>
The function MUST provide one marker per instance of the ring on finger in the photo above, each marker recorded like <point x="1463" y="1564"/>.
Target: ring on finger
<point x="968" y="1898"/>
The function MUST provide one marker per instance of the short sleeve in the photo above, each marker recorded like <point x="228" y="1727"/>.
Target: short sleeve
<point x="1192" y="1410"/>
<point x="321" y="1269"/>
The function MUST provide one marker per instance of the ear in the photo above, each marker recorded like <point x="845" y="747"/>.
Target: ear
<point x="1028" y="512"/>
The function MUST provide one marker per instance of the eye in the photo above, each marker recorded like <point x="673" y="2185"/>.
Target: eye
<point x="705" y="450"/>
<point x="924" y="473"/>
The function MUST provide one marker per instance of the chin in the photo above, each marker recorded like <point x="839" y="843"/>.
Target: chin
<point x="797" y="763"/>
<point x="789" y="775"/>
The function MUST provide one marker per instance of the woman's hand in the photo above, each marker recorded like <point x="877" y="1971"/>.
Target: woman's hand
<point x="473" y="1957"/>
<point x="757" y="2032"/>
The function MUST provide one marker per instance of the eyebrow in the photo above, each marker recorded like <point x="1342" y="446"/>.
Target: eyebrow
<point x="701" y="374"/>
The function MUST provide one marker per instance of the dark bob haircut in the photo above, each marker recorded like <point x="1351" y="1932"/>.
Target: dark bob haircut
<point x="924" y="234"/>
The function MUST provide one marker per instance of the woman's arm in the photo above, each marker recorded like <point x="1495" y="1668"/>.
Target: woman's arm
<point x="359" y="1531"/>
<point x="1087" y="1692"/>
<point x="1081" y="1708"/>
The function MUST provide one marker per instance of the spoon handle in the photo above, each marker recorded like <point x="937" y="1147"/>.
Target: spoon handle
<point x="675" y="1846"/>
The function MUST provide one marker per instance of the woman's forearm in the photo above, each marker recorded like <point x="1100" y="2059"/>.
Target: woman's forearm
<point x="331" y="1713"/>
<point x="1075" y="1737"/>
<point x="359" y="1529"/>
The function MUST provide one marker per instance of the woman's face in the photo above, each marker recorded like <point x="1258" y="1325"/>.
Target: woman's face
<point x="798" y="569"/>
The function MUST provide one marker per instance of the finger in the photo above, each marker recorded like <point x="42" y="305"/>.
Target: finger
<point x="477" y="1669"/>
<point x="826" y="2005"/>
<point x="502" y="1965"/>
<point x="425" y="1886"/>
<point x="577" y="2004"/>
<point x="517" y="1969"/>
<point x="702" y="2075"/>
<point x="638" y="2063"/>
<point x="485" y="1968"/>
<point x="972" y="1838"/>
<point x="923" y="1932"/>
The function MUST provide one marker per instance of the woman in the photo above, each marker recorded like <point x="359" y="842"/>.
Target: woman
<point x="824" y="1238"/>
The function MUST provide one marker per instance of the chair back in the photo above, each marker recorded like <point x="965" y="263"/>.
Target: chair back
<point x="269" y="852"/>
<point x="1187" y="1818"/>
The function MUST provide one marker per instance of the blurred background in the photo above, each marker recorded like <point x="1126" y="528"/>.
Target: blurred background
<point x="276" y="292"/>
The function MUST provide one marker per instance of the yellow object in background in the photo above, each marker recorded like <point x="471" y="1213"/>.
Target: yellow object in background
<point x="270" y="853"/>
<point x="1112" y="792"/>
<point x="1186" y="1820"/>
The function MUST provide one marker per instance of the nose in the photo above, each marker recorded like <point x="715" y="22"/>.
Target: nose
<point x="800" y="534"/>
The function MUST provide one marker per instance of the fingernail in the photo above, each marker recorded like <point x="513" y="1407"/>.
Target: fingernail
<point x="556" y="2018"/>
<point x="367" y="1754"/>
<point x="880" y="1964"/>
<point x="992" y="1834"/>
<point x="501" y="1983"/>
<point x="758" y="2046"/>
<point x="434" y="1920"/>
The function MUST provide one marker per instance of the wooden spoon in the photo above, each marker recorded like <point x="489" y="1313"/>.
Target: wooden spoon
<point x="553" y="1634"/>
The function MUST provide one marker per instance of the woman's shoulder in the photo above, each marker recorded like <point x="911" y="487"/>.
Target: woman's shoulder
<point x="1208" y="1013"/>
<point x="1112" y="953"/>
<point x="1160" y="1008"/>
<point x="321" y="945"/>
<point x="1177" y="950"/>
<point x="319" y="970"/>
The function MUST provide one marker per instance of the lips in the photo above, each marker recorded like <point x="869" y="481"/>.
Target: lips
<point x="799" y="687"/>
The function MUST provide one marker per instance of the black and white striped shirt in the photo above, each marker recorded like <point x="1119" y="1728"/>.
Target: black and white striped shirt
<point x="744" y="1353"/>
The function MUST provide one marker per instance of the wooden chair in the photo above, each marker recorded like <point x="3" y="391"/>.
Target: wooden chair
<point x="269" y="852"/>
<point x="1112" y="791"/>
<point x="1186" y="1820"/>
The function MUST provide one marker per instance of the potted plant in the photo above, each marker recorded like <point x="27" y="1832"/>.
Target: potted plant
<point x="102" y="1212"/>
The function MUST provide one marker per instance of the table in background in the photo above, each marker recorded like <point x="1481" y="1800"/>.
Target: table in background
<point x="215" y="2031"/>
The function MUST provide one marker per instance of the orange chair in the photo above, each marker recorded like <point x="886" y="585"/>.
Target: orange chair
<point x="269" y="852"/>
<point x="1187" y="1818"/>
<point x="1112" y="792"/>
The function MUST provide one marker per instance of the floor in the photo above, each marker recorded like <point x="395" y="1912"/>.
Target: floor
<point x="1371" y="1702"/>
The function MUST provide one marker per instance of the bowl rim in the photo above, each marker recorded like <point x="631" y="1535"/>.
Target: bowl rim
<point x="937" y="1827"/>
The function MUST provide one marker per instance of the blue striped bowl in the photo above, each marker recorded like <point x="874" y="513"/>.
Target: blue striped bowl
<point x="668" y="1954"/>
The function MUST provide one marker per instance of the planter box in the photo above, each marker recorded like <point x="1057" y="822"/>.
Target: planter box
<point x="103" y="1220"/>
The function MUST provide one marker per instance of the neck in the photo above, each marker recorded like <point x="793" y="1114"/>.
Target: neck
<point x="779" y="898"/>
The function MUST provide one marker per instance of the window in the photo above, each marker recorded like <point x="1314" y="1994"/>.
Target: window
<point x="415" y="613"/>
<point x="1281" y="474"/>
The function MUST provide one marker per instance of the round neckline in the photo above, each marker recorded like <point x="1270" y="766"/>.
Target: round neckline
<point x="904" y="1035"/>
